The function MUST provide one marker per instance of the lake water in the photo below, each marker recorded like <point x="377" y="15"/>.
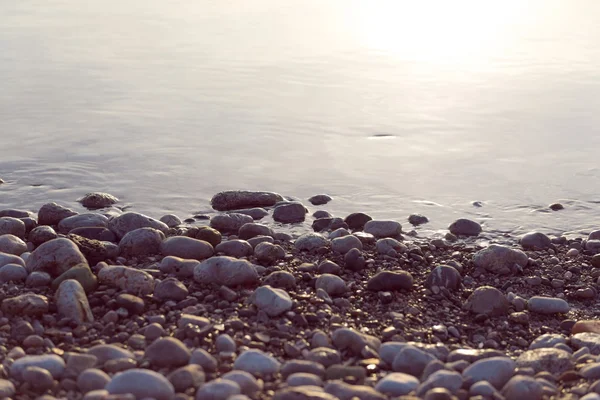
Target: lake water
<point x="391" y="107"/>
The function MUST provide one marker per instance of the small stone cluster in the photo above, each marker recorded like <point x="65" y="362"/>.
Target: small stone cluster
<point x="99" y="305"/>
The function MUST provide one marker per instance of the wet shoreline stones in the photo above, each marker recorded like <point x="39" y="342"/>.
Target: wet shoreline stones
<point x="138" y="308"/>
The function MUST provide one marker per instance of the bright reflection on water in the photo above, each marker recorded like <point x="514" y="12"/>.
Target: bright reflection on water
<point x="391" y="106"/>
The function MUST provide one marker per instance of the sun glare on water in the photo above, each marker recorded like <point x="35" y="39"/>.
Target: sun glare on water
<point x="446" y="32"/>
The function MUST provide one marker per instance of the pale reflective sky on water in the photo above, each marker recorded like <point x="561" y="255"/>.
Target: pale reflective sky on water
<point x="392" y="107"/>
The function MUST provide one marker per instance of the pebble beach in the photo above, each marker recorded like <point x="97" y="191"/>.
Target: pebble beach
<point x="114" y="304"/>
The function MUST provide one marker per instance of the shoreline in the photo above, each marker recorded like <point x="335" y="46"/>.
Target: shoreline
<point x="375" y="315"/>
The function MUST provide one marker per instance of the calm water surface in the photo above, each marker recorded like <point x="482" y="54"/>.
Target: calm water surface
<point x="392" y="107"/>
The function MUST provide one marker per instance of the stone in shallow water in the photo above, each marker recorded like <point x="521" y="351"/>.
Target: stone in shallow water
<point x="230" y="223"/>
<point x="52" y="214"/>
<point x="555" y="361"/>
<point x="236" y="199"/>
<point x="382" y="228"/>
<point x="417" y="219"/>
<point x="465" y="227"/>
<point x="96" y="200"/>
<point x="535" y="241"/>
<point x="171" y="220"/>
<point x="320" y="199"/>
<point x="289" y="213"/>
<point x="547" y="305"/>
<point x="131" y="221"/>
<point x="142" y="383"/>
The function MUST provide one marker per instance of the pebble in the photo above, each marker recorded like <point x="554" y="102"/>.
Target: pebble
<point x="13" y="273"/>
<point x="170" y="289"/>
<point x="235" y="248"/>
<point x="521" y="387"/>
<point x="411" y="360"/>
<point x="189" y="376"/>
<point x="280" y="279"/>
<point x="82" y="274"/>
<point x="106" y="352"/>
<point x="6" y="258"/>
<point x="390" y="281"/>
<point x="536" y="241"/>
<point x="82" y="220"/>
<point x="590" y="340"/>
<point x="344" y="390"/>
<point x="487" y="300"/>
<point x="77" y="363"/>
<point x="251" y="230"/>
<point x="28" y="304"/>
<point x="553" y="360"/>
<point x="586" y="326"/>
<point x="390" y="246"/>
<point x="92" y="379"/>
<point x="7" y="388"/>
<point x="344" y="244"/>
<point x="38" y="279"/>
<point x="357" y="221"/>
<point x="236" y="199"/>
<point x="346" y="338"/>
<point x="382" y="229"/>
<point x="97" y="200"/>
<point x="52" y="214"/>
<point x="208" y="234"/>
<point x="204" y="359"/>
<point x="340" y="232"/>
<point x="303" y="393"/>
<point x="354" y="260"/>
<point x="268" y="253"/>
<point x="218" y="389"/>
<point x="272" y="301"/>
<point x="178" y="266"/>
<point x="547" y="340"/>
<point x="186" y="247"/>
<point x="442" y="379"/>
<point x="499" y="259"/>
<point x="142" y="383"/>
<point x="38" y="378"/>
<point x="141" y="242"/>
<point x="304" y="378"/>
<point x="310" y="241"/>
<point x="444" y="276"/>
<point x="72" y="302"/>
<point x="11" y="244"/>
<point x="320" y="199"/>
<point x="168" y="353"/>
<point x="547" y="305"/>
<point x="397" y="384"/>
<point x="171" y="220"/>
<point x="51" y="362"/>
<point x="324" y="356"/>
<point x="55" y="257"/>
<point x="12" y="226"/>
<point x="130" y="221"/>
<point x="465" y="227"/>
<point x="225" y="343"/>
<point x="332" y="284"/>
<point x="132" y="280"/>
<point x="289" y="213"/>
<point x="248" y="384"/>
<point x="495" y="370"/>
<point x="256" y="212"/>
<point x="226" y="271"/>
<point x="230" y="223"/>
<point x="95" y="233"/>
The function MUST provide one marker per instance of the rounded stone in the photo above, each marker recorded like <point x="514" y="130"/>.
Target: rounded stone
<point x="444" y="276"/>
<point x="72" y="302"/>
<point x="38" y="279"/>
<point x="535" y="241"/>
<point x="95" y="200"/>
<point x="332" y="284"/>
<point x="397" y="384"/>
<point x="168" y="352"/>
<point x="390" y="281"/>
<point x="225" y="343"/>
<point x="26" y="304"/>
<point x="142" y="383"/>
<point x="272" y="301"/>
<point x="257" y="362"/>
<point x="106" y="352"/>
<point x="92" y="379"/>
<point x="310" y="241"/>
<point x="12" y="226"/>
<point x="320" y="199"/>
<point x="186" y="247"/>
<point x="256" y="212"/>
<point x="390" y="246"/>
<point x="346" y="338"/>
<point x="417" y="219"/>
<point x="235" y="248"/>
<point x="38" y="378"/>
<point x="95" y="233"/>
<point x="236" y="199"/>
<point x="189" y="376"/>
<point x="6" y="258"/>
<point x="171" y="220"/>
<point x="13" y="273"/>
<point x="289" y="213"/>
<point x="345" y="243"/>
<point x="381" y="229"/>
<point x="553" y="360"/>
<point x="132" y="280"/>
<point x="250" y="230"/>
<point x="521" y="387"/>
<point x="50" y="362"/>
<point x="249" y="385"/>
<point x="11" y="244"/>
<point x="218" y="389"/>
<point x="141" y="242"/>
<point x="55" y="257"/>
<point x="354" y="260"/>
<point x="41" y="234"/>
<point x="411" y="360"/>
<point x="357" y="220"/>
<point x="170" y="289"/>
<point x="465" y="227"/>
<point x="131" y="221"/>
<point x="52" y="214"/>
<point x="178" y="266"/>
<point x="547" y="305"/>
<point x="495" y="370"/>
<point x="82" y="274"/>
<point x="499" y="259"/>
<point x="268" y="253"/>
<point x="280" y="279"/>
<point x="230" y="223"/>
<point x="226" y="271"/>
<point x="208" y="234"/>
<point x="7" y="388"/>
<point x="82" y="220"/>
<point x="487" y="300"/>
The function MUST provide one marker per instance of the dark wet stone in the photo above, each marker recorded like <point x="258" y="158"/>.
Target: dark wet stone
<point x="95" y="233"/>
<point x="320" y="199"/>
<point x="357" y="220"/>
<point x="417" y="219"/>
<point x="236" y="199"/>
<point x="289" y="213"/>
<point x="465" y="227"/>
<point x="354" y="260"/>
<point x="390" y="280"/>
